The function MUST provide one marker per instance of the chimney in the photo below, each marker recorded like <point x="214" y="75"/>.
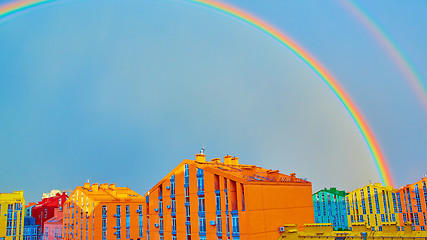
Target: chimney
<point x="112" y="187"/>
<point x="201" y="157"/>
<point x="95" y="187"/>
<point x="227" y="159"/>
<point x="216" y="160"/>
<point x="293" y="177"/>
<point x="235" y="161"/>
<point x="86" y="185"/>
<point x="104" y="186"/>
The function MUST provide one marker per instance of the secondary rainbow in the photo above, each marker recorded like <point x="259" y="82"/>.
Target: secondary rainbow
<point x="378" y="157"/>
<point x="391" y="48"/>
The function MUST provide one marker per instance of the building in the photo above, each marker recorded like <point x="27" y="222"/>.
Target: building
<point x="52" y="193"/>
<point x="412" y="204"/>
<point x="359" y="231"/>
<point x="45" y="209"/>
<point x="53" y="226"/>
<point x="12" y="209"/>
<point x="373" y="204"/>
<point x="102" y="212"/>
<point x="329" y="207"/>
<point x="30" y="228"/>
<point x="225" y="200"/>
<point x="29" y="209"/>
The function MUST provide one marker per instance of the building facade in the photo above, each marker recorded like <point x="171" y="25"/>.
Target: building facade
<point x="412" y="204"/>
<point x="330" y="207"/>
<point x="29" y="209"/>
<point x="30" y="228"/>
<point x="101" y="212"/>
<point x="12" y="211"/>
<point x="45" y="210"/>
<point x="215" y="200"/>
<point x="53" y="227"/>
<point x="374" y="204"/>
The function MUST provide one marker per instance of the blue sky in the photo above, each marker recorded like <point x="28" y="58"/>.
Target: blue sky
<point x="123" y="91"/>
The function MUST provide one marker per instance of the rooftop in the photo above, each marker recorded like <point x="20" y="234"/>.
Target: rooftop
<point x="109" y="192"/>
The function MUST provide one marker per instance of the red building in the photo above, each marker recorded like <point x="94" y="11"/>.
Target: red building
<point x="53" y="226"/>
<point x="412" y="204"/>
<point x="45" y="210"/>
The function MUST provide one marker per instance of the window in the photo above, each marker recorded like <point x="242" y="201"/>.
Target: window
<point x="218" y="202"/>
<point x="235" y="221"/>
<point x="243" y="197"/>
<point x="173" y="224"/>
<point x="104" y="211"/>
<point x="161" y="224"/>
<point x="417" y="222"/>
<point x="201" y="204"/>
<point x="218" y="224"/>
<point x="188" y="232"/>
<point x="202" y="225"/>
<point x="141" y="230"/>
<point x="173" y="206"/>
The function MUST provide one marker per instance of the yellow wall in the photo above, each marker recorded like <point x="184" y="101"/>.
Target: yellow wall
<point x="383" y="213"/>
<point x="12" y="198"/>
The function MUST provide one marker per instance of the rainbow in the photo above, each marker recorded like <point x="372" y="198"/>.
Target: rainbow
<point x="391" y="48"/>
<point x="327" y="78"/>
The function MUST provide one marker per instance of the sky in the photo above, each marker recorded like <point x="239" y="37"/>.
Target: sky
<point x="122" y="91"/>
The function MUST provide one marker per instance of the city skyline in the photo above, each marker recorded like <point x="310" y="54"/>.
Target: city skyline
<point x="71" y="88"/>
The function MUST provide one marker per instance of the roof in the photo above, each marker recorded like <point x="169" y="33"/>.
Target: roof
<point x="332" y="191"/>
<point x="54" y="220"/>
<point x="413" y="184"/>
<point x="375" y="185"/>
<point x="108" y="193"/>
<point x="243" y="173"/>
<point x="51" y="201"/>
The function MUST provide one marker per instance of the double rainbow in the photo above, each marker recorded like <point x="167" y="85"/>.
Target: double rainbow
<point x="391" y="48"/>
<point x="380" y="162"/>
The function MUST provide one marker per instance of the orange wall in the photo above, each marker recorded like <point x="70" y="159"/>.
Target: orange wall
<point x="267" y="206"/>
<point x="93" y="217"/>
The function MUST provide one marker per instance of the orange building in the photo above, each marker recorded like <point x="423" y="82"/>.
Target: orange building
<point x="215" y="200"/>
<point x="103" y="212"/>
<point x="412" y="204"/>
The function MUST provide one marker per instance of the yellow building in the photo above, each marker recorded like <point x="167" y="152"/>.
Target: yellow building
<point x="325" y="231"/>
<point x="374" y="205"/>
<point x="12" y="212"/>
<point x="103" y="212"/>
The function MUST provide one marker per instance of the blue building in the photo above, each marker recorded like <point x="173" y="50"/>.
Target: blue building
<point x="30" y="228"/>
<point x="330" y="207"/>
